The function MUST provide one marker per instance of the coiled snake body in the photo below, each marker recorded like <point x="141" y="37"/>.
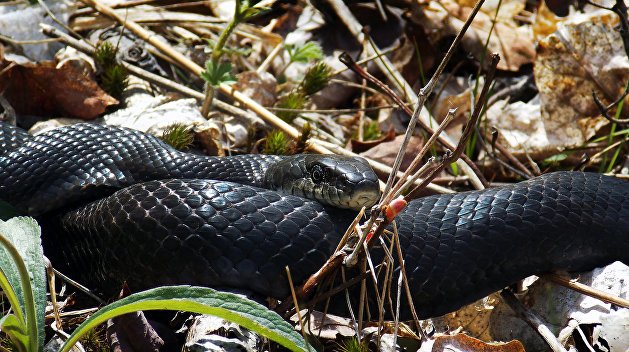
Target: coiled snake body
<point x="181" y="228"/>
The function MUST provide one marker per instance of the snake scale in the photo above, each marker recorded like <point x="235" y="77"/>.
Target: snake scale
<point x="159" y="216"/>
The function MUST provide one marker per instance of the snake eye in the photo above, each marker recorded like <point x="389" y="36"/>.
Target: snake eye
<point x="317" y="173"/>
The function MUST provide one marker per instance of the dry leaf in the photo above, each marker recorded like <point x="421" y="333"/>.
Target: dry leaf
<point x="520" y="127"/>
<point x="584" y="55"/>
<point x="545" y="22"/>
<point x="462" y="342"/>
<point x="563" y="310"/>
<point x="385" y="152"/>
<point x="361" y="146"/>
<point x="259" y="86"/>
<point x="42" y="89"/>
<point x="513" y="42"/>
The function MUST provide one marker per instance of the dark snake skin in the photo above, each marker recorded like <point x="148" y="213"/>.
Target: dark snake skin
<point x="72" y="164"/>
<point x="457" y="248"/>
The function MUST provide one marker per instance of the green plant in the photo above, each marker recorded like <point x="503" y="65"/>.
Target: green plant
<point x="179" y="136"/>
<point x="113" y="77"/>
<point x="22" y="280"/>
<point x="353" y="345"/>
<point x="216" y="72"/>
<point x="276" y="143"/>
<point x="114" y="80"/>
<point x="202" y="300"/>
<point x="304" y="53"/>
<point x="302" y="141"/>
<point x="105" y="54"/>
<point x="95" y="340"/>
<point x="371" y="130"/>
<point x="296" y="100"/>
<point x="316" y="78"/>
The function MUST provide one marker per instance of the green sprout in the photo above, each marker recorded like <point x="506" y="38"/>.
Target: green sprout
<point x="316" y="78"/>
<point x="304" y="53"/>
<point x="113" y="78"/>
<point x="353" y="345"/>
<point x="294" y="100"/>
<point x="105" y="54"/>
<point x="217" y="73"/>
<point x="300" y="143"/>
<point x="277" y="143"/>
<point x="371" y="130"/>
<point x="179" y="136"/>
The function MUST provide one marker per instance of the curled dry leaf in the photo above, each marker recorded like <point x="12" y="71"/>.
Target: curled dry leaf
<point x="563" y="310"/>
<point x="361" y="146"/>
<point x="545" y="21"/>
<point x="42" y="89"/>
<point x="385" y="152"/>
<point x="584" y="55"/>
<point x="462" y="342"/>
<point x="513" y="42"/>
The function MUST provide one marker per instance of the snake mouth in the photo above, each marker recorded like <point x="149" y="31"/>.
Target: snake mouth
<point x="359" y="202"/>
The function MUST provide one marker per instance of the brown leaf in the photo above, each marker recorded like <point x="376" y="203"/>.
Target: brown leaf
<point x="584" y="55"/>
<point x="462" y="342"/>
<point x="507" y="37"/>
<point x="385" y="152"/>
<point x="41" y="89"/>
<point x="361" y="146"/>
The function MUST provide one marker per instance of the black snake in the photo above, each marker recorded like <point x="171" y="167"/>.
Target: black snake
<point x="169" y="222"/>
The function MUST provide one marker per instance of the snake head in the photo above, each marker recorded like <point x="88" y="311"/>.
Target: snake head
<point x="339" y="181"/>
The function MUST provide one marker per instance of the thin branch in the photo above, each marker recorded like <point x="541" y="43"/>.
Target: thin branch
<point x="470" y="125"/>
<point x="352" y="65"/>
<point x="604" y="110"/>
<point x="587" y="290"/>
<point x="535" y="322"/>
<point x="385" y="66"/>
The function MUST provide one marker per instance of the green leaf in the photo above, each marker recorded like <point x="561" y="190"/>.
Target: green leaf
<point x="316" y="78"/>
<point x="203" y="300"/>
<point x="455" y="169"/>
<point x="22" y="265"/>
<point x="13" y="327"/>
<point x="218" y="73"/>
<point x="555" y="158"/>
<point x="304" y="53"/>
<point x="252" y="12"/>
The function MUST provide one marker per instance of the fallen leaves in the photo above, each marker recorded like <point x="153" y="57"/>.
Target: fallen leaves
<point x="505" y="36"/>
<point x="462" y="342"/>
<point x="581" y="57"/>
<point x="42" y="89"/>
<point x="584" y="55"/>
